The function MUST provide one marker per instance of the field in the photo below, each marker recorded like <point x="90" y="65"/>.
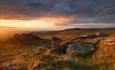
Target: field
<point x="30" y="51"/>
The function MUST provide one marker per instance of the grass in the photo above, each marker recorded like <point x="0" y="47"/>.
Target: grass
<point x="102" y="59"/>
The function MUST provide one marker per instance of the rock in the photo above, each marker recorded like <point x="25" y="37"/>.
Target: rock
<point x="101" y="34"/>
<point x="60" y="49"/>
<point x="55" y="40"/>
<point x="88" y="36"/>
<point x="81" y="48"/>
<point x="28" y="39"/>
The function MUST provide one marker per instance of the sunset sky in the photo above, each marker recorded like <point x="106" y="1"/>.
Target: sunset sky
<point x="57" y="14"/>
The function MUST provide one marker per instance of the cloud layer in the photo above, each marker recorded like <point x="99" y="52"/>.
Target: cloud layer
<point x="82" y="11"/>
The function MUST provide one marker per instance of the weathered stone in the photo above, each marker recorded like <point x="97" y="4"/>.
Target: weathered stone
<point x="82" y="48"/>
<point x="101" y="34"/>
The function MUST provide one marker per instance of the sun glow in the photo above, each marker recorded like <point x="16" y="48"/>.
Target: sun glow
<point x="43" y="23"/>
<point x="27" y="24"/>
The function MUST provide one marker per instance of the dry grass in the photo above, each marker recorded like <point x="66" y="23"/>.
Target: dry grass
<point x="23" y="57"/>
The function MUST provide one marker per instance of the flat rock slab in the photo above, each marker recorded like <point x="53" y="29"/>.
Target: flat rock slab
<point x="85" y="48"/>
<point x="82" y="48"/>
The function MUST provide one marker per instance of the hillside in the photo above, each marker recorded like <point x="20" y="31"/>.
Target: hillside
<point x="30" y="51"/>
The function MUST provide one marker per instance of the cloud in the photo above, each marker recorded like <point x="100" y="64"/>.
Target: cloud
<point x="83" y="11"/>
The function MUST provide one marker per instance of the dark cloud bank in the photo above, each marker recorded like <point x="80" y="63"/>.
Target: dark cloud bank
<point x="84" y="11"/>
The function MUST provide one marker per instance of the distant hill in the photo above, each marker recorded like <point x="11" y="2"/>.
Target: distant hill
<point x="88" y="29"/>
<point x="71" y="29"/>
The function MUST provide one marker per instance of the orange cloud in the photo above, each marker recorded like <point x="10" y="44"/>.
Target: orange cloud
<point x="59" y="19"/>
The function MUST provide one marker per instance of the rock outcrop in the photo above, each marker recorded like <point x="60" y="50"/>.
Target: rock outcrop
<point x="28" y="39"/>
<point x="82" y="48"/>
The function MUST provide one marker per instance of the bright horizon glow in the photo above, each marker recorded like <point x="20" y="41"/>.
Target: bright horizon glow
<point x="32" y="24"/>
<point x="43" y="23"/>
<point x="28" y="24"/>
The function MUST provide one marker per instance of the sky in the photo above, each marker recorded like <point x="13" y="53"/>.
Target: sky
<point x="57" y="14"/>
